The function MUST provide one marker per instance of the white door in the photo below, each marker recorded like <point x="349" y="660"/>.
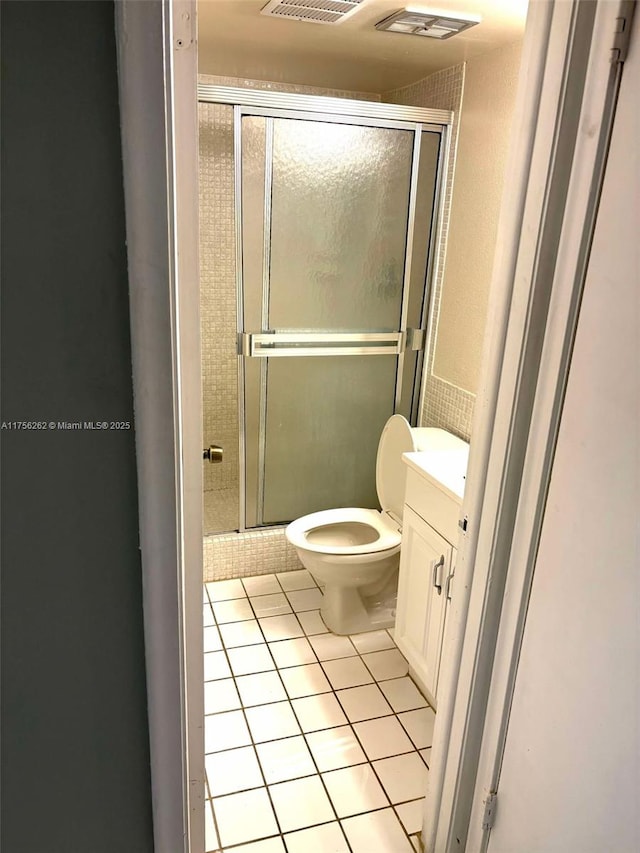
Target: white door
<point x="570" y="780"/>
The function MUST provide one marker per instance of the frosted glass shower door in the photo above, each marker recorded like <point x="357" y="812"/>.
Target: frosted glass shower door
<point x="328" y="211"/>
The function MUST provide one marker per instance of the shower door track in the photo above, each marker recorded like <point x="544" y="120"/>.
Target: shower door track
<point x="273" y="105"/>
<point x="237" y="96"/>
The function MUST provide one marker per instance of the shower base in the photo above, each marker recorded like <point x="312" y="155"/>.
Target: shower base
<point x="253" y="552"/>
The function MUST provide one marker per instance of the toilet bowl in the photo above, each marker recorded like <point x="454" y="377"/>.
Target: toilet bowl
<point x="355" y="552"/>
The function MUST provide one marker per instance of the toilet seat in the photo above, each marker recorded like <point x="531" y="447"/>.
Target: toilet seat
<point x="388" y="531"/>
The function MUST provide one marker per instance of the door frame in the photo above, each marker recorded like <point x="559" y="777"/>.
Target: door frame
<point x="157" y="72"/>
<point x="566" y="100"/>
<point x="157" y="58"/>
<point x="602" y="68"/>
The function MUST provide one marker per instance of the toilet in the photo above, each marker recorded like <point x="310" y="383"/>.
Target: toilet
<point x="355" y="552"/>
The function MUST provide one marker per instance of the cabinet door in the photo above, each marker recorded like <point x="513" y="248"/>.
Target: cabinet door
<point x="425" y="562"/>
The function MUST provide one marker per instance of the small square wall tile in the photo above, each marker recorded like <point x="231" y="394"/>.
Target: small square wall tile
<point x="327" y="838"/>
<point x="363" y="703"/>
<point x="270" y="722"/>
<point x="380" y="831"/>
<point x="402" y="694"/>
<point x="419" y="725"/>
<point x="301" y="803"/>
<point x="225" y="590"/>
<point x="285" y="759"/>
<point x="335" y="748"/>
<point x="426" y="756"/>
<point x="236" y="610"/>
<point x="231" y="816"/>
<point x="260" y="689"/>
<point x="261" y="585"/>
<point x="288" y="653"/>
<point x="354" y="790"/>
<point x="236" y="634"/>
<point x="347" y="672"/>
<point x="281" y="627"/>
<point x="211" y="641"/>
<point x="372" y="641"/>
<point x="270" y="605"/>
<point x="410" y="815"/>
<point x="305" y="599"/>
<point x="331" y="647"/>
<point x="304" y="680"/>
<point x="301" y="579"/>
<point x="247" y="660"/>
<point x="312" y="623"/>
<point x="404" y="777"/>
<point x="232" y="771"/>
<point x="382" y="738"/>
<point x="225" y="731"/>
<point x="220" y="696"/>
<point x="318" y="712"/>
<point x="386" y="664"/>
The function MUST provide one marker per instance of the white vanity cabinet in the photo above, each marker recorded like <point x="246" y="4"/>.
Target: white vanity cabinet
<point x="427" y="564"/>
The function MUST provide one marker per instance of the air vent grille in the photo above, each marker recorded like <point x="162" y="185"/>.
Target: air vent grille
<point x="314" y="11"/>
<point x="421" y="22"/>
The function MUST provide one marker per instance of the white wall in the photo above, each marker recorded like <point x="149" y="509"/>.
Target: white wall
<point x="570" y="780"/>
<point x="488" y="101"/>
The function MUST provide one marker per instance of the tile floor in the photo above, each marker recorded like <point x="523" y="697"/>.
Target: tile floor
<point x="314" y="743"/>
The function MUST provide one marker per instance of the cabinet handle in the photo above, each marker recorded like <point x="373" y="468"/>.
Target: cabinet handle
<point x="435" y="574"/>
<point x="447" y="585"/>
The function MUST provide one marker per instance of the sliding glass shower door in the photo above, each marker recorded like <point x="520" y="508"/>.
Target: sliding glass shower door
<point x="334" y="226"/>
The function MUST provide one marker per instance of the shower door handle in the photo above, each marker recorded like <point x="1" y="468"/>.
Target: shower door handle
<point x="213" y="453"/>
<point x="271" y="344"/>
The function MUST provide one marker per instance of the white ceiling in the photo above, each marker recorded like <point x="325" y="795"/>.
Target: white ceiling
<point x="235" y="40"/>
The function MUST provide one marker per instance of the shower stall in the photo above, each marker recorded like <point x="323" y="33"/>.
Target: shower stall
<point x="319" y="233"/>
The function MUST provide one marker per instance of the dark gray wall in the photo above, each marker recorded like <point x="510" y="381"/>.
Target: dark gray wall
<point x="74" y="729"/>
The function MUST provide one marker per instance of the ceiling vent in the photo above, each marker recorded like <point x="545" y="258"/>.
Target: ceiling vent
<point x="420" y="22"/>
<point x="314" y="11"/>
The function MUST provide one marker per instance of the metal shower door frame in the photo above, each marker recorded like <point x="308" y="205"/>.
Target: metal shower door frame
<point x="277" y="105"/>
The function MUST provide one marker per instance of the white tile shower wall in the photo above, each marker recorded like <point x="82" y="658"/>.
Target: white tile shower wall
<point x="445" y="405"/>
<point x="218" y="314"/>
<point x="255" y="552"/>
<point x="226" y="555"/>
<point x="270" y="86"/>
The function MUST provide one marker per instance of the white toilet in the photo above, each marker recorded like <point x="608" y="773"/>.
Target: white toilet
<point x="355" y="552"/>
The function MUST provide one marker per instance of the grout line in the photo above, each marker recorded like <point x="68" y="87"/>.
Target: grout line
<point x="293" y="710"/>
<point x="322" y="781"/>
<point x="255" y="751"/>
<point x="213" y="816"/>
<point x="304" y="735"/>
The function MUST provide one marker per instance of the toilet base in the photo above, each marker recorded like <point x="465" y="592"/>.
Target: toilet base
<point x="345" y="611"/>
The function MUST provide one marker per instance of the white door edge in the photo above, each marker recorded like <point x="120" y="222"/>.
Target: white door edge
<point x="597" y="112"/>
<point x="519" y="388"/>
<point x="157" y="69"/>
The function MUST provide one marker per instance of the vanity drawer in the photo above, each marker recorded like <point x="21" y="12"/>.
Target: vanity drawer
<point x="436" y="507"/>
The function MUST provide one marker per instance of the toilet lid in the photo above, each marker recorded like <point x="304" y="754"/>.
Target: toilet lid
<point x="397" y="438"/>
